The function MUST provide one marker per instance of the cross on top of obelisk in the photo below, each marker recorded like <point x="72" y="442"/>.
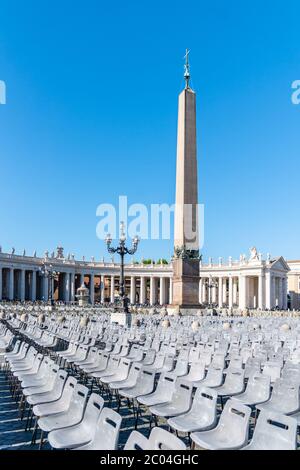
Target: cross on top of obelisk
<point x="187" y="68"/>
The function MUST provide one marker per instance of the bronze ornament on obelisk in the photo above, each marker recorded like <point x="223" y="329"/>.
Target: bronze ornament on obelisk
<point x="186" y="233"/>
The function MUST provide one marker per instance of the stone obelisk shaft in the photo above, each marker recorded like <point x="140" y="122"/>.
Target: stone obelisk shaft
<point x="186" y="237"/>
<point x="186" y="227"/>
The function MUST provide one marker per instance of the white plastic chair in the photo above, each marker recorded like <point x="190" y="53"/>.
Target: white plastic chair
<point x="180" y="402"/>
<point x="273" y="369"/>
<point x="284" y="398"/>
<point x="107" y="432"/>
<point x="214" y="378"/>
<point x="73" y="415"/>
<point x="60" y="405"/>
<point x="52" y="395"/>
<point x="82" y="433"/>
<point x="163" y="392"/>
<point x="274" y="431"/>
<point x="233" y="385"/>
<point x="257" y="391"/>
<point x="231" y="431"/>
<point x="121" y="372"/>
<point x="181" y="368"/>
<point x="196" y="373"/>
<point x="202" y="416"/>
<point x="130" y="381"/>
<point x="144" y="385"/>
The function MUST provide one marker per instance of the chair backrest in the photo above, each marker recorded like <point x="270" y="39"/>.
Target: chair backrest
<point x="160" y="439"/>
<point x="166" y="383"/>
<point x="218" y="360"/>
<point x="182" y="393"/>
<point x="194" y="354"/>
<point x="235" y="378"/>
<point x="103" y="359"/>
<point x="275" y="431"/>
<point x="16" y="347"/>
<point x="236" y="362"/>
<point x="205" y="356"/>
<point x="124" y="366"/>
<point x="136" y="441"/>
<point x="259" y="386"/>
<point x="205" y="403"/>
<point x="181" y="368"/>
<point x="37" y="363"/>
<point x="59" y="382"/>
<point x="134" y="372"/>
<point x="107" y="431"/>
<point x="146" y="383"/>
<point x="235" y="418"/>
<point x="149" y="356"/>
<point x="78" y="401"/>
<point x="32" y="352"/>
<point x="159" y="360"/>
<point x="93" y="410"/>
<point x="68" y="390"/>
<point x="197" y="371"/>
<point x="169" y="361"/>
<point x="214" y="373"/>
<point x="273" y="369"/>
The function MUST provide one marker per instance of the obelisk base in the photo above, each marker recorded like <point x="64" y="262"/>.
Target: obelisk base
<point x="122" y="318"/>
<point x="186" y="278"/>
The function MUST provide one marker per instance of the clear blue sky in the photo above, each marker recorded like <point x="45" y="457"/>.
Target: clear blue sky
<point x="91" y="114"/>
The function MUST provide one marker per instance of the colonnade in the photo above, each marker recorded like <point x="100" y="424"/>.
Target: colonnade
<point x="264" y="291"/>
<point x="23" y="284"/>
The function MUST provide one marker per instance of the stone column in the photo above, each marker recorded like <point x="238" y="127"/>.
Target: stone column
<point x="214" y="292"/>
<point x="132" y="290"/>
<point x="45" y="288"/>
<point x="242" y="292"/>
<point x="230" y="300"/>
<point x="152" y="290"/>
<point x="22" y="285"/>
<point x="204" y="297"/>
<point x="11" y="284"/>
<point x="220" y="292"/>
<point x="284" y="289"/>
<point x="162" y="291"/>
<point x="112" y="289"/>
<point x="33" y="286"/>
<point x="72" y="293"/>
<point x="224" y="295"/>
<point x="170" y="290"/>
<point x="273" y="291"/>
<point x="92" y="288"/>
<point x="268" y="290"/>
<point x="0" y="283"/>
<point x="235" y="291"/>
<point x="143" y="290"/>
<point x="260" y="292"/>
<point x="280" y="290"/>
<point x="200" y="290"/>
<point x="67" y="287"/>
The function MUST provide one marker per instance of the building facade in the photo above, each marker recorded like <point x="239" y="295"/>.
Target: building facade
<point x="294" y="284"/>
<point x="251" y="282"/>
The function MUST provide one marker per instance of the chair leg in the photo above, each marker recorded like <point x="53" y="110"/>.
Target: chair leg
<point x="41" y="442"/>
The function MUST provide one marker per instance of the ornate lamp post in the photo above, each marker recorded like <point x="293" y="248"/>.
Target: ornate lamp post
<point x="47" y="272"/>
<point x="122" y="250"/>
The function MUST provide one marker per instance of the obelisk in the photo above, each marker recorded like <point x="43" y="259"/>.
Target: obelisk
<point x="186" y="232"/>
